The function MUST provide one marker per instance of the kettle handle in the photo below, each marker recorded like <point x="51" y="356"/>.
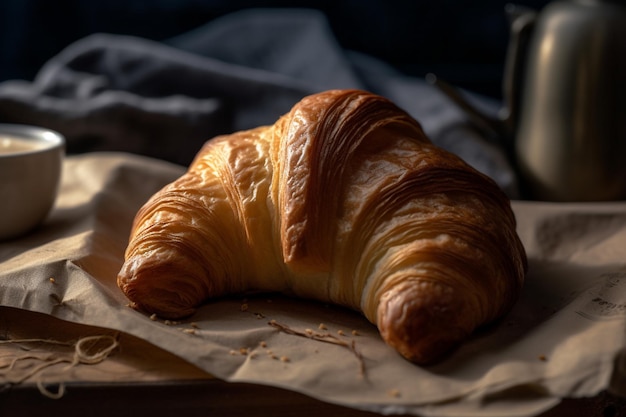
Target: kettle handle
<point x="521" y="23"/>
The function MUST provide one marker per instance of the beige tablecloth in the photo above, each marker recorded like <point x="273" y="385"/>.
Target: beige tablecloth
<point x="565" y="337"/>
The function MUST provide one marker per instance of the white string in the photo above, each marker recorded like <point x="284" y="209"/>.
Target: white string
<point x="89" y="350"/>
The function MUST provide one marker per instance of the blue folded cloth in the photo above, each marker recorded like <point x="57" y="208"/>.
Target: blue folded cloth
<point x="165" y="99"/>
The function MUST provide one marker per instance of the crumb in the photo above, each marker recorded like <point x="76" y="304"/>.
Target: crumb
<point x="259" y="316"/>
<point x="194" y="325"/>
<point x="244" y="307"/>
<point x="322" y="326"/>
<point x="542" y="358"/>
<point x="153" y="317"/>
<point x="308" y="331"/>
<point x="355" y="333"/>
<point x="284" y="359"/>
<point x="340" y="332"/>
<point x="52" y="280"/>
<point x="243" y="351"/>
<point x="395" y="393"/>
<point x="232" y="352"/>
<point x="189" y="331"/>
<point x="262" y="344"/>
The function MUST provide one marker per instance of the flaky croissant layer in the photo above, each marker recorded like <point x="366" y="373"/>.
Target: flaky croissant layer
<point x="344" y="200"/>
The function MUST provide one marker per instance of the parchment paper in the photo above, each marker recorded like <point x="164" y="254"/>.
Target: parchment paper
<point x="565" y="337"/>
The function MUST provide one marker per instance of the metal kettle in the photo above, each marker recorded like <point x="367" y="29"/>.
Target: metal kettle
<point x="564" y="114"/>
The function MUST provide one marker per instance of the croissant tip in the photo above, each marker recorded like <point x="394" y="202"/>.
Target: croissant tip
<point x="423" y="329"/>
<point x="149" y="292"/>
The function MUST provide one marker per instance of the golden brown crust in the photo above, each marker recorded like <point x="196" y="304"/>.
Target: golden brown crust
<point x="345" y="200"/>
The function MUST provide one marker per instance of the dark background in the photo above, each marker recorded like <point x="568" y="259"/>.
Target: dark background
<point x="463" y="42"/>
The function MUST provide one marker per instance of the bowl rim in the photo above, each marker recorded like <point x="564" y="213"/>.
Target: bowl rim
<point x="50" y="138"/>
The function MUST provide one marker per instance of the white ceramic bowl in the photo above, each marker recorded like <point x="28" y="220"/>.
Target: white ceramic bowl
<point x="31" y="160"/>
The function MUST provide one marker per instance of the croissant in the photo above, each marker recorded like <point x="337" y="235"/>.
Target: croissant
<point x="344" y="200"/>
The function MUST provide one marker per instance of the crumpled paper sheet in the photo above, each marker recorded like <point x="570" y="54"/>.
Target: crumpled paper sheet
<point x="564" y="337"/>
